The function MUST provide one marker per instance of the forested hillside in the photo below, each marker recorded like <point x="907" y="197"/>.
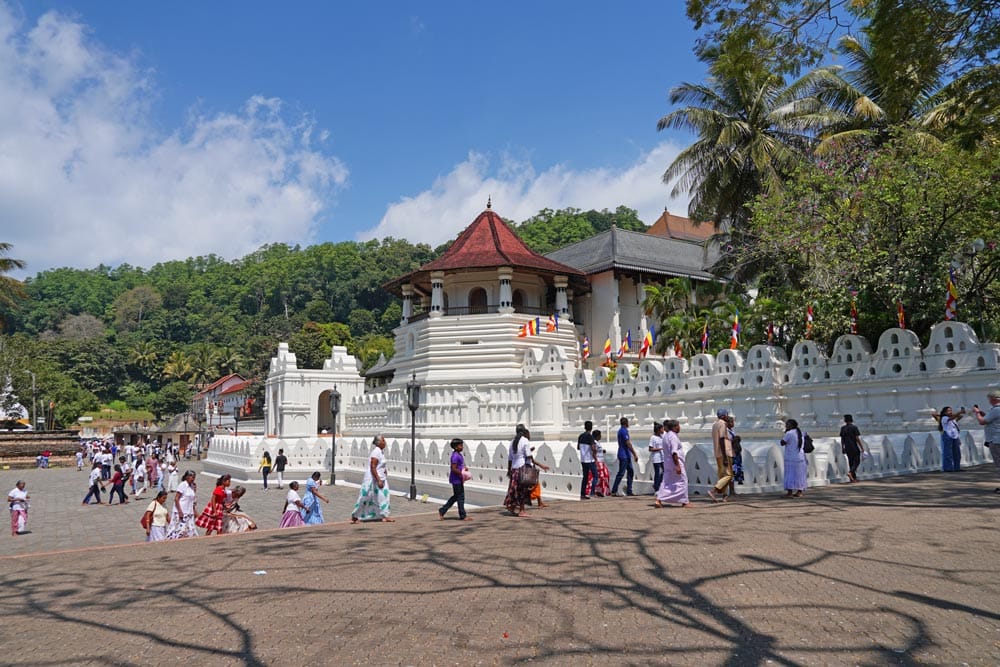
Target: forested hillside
<point x="145" y="338"/>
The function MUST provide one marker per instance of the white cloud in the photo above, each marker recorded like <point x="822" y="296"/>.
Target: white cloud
<point x="85" y="179"/>
<point x="438" y="214"/>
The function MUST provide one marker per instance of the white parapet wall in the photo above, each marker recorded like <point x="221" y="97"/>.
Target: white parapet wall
<point x="893" y="454"/>
<point x="891" y="392"/>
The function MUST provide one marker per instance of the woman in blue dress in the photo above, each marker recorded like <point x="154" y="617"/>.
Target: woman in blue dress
<point x="312" y="513"/>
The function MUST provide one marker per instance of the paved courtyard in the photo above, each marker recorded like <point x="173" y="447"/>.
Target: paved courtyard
<point x="898" y="571"/>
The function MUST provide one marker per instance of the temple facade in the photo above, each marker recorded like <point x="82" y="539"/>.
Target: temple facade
<point x="490" y="333"/>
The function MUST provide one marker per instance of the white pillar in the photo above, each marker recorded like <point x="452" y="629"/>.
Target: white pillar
<point x="407" y="303"/>
<point x="506" y="296"/>
<point x="437" y="293"/>
<point x="562" y="304"/>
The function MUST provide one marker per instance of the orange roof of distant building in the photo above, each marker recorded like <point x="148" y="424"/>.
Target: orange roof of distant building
<point x="681" y="228"/>
<point x="220" y="381"/>
<point x="235" y="388"/>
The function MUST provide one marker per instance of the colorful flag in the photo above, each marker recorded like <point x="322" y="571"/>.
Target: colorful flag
<point x="809" y="320"/>
<point x="734" y="341"/>
<point x="770" y="333"/>
<point x="704" y="337"/>
<point x="854" y="316"/>
<point x="678" y="350"/>
<point x="607" y="348"/>
<point x="626" y="344"/>
<point x="522" y="331"/>
<point x="900" y="315"/>
<point x="647" y="342"/>
<point x="951" y="301"/>
<point x="585" y="348"/>
<point x="553" y="323"/>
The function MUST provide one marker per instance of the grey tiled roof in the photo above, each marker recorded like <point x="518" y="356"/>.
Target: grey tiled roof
<point x="635" y="251"/>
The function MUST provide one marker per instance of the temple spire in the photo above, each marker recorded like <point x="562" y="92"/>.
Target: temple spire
<point x="489" y="202"/>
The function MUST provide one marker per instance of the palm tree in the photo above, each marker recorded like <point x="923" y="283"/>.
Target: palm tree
<point x="896" y="77"/>
<point x="178" y="366"/>
<point x="750" y="128"/>
<point x="204" y="363"/>
<point x="11" y="290"/>
<point x="144" y="355"/>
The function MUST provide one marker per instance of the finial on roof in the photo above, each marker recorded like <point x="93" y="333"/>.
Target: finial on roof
<point x="489" y="202"/>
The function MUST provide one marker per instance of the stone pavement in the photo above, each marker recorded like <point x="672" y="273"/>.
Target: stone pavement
<point x="57" y="519"/>
<point x="896" y="571"/>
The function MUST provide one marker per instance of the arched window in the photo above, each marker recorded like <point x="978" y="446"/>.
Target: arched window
<point x="517" y="300"/>
<point x="477" y="300"/>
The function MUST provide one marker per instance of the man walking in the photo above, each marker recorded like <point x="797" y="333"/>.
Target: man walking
<point x="656" y="455"/>
<point x="852" y="446"/>
<point x="588" y="457"/>
<point x="722" y="443"/>
<point x="991" y="420"/>
<point x="280" y="461"/>
<point x="626" y="455"/>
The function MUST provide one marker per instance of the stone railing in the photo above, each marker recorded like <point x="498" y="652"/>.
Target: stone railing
<point x="893" y="454"/>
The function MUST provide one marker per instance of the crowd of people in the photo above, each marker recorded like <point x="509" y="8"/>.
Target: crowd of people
<point x="142" y="467"/>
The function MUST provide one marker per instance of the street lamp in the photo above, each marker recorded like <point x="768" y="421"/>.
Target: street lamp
<point x="334" y="411"/>
<point x="413" y="402"/>
<point x="236" y="418"/>
<point x="187" y="445"/>
<point x="200" y="418"/>
<point x="34" y="407"/>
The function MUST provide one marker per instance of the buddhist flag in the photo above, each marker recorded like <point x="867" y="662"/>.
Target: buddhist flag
<point x="647" y="342"/>
<point x="529" y="328"/>
<point x="553" y="323"/>
<point x="734" y="340"/>
<point x="809" y="320"/>
<point x="585" y="348"/>
<point x="951" y="301"/>
<point x="900" y="315"/>
<point x="854" y="316"/>
<point x="770" y="333"/>
<point x="607" y="348"/>
<point x="678" y="350"/>
<point x="626" y="344"/>
<point x="704" y="336"/>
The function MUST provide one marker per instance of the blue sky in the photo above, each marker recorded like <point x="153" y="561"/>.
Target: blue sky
<point x="139" y="132"/>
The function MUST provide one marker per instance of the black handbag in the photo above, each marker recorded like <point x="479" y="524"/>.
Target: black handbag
<point x="529" y="477"/>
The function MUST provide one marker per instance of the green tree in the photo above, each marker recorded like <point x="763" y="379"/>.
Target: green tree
<point x="11" y="290"/>
<point x="172" y="399"/>
<point x="178" y="366"/>
<point x="131" y="306"/>
<point x="881" y="225"/>
<point x="750" y="136"/>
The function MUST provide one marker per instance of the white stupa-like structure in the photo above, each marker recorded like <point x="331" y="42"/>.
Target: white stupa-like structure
<point x="490" y="331"/>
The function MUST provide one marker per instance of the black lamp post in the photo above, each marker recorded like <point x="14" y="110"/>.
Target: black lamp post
<point x="200" y="418"/>
<point x="187" y="445"/>
<point x="334" y="411"/>
<point x="413" y="402"/>
<point x="236" y="418"/>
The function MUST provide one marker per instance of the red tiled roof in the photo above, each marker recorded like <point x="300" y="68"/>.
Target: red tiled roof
<point x="218" y="382"/>
<point x="489" y="242"/>
<point x="678" y="227"/>
<point x="235" y="388"/>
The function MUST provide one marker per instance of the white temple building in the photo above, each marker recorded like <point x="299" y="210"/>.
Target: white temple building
<point x="490" y="332"/>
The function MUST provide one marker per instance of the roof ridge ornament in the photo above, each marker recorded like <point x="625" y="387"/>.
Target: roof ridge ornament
<point x="489" y="202"/>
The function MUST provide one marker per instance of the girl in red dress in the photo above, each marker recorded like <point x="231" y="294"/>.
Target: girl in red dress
<point x="211" y="517"/>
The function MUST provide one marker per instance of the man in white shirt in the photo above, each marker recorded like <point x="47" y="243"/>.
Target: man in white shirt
<point x="991" y="420"/>
<point x="656" y="455"/>
<point x="588" y="453"/>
